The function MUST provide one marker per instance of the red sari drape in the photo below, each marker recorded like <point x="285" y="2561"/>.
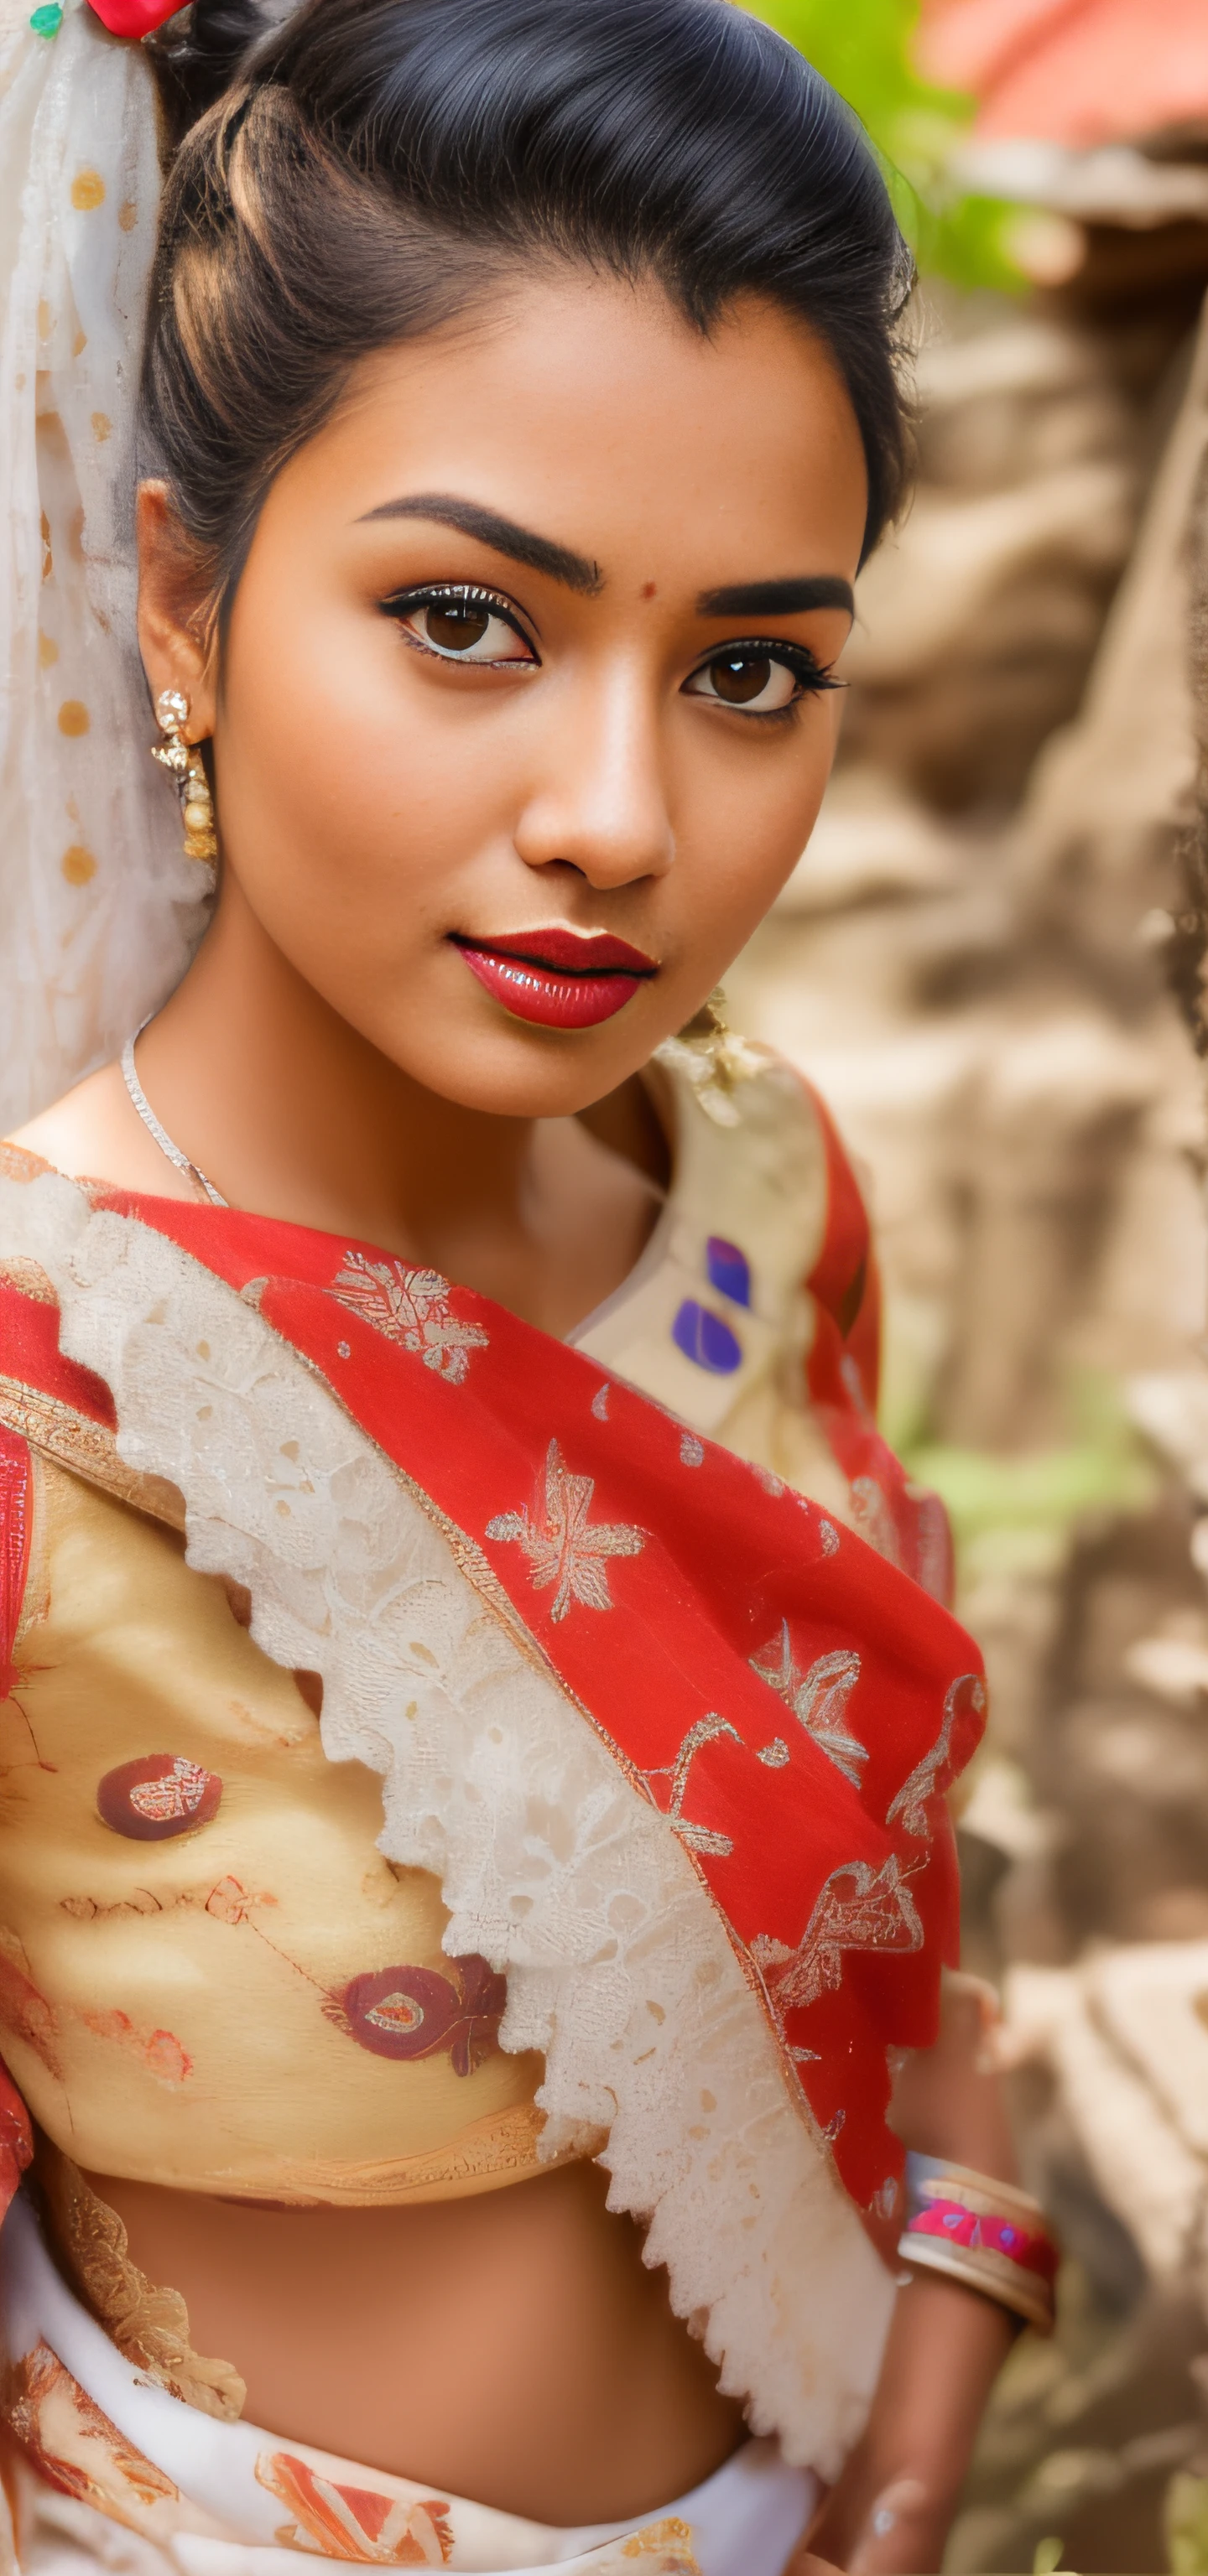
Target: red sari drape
<point x="792" y="1703"/>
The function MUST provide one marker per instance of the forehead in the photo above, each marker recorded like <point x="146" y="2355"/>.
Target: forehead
<point x="594" y="410"/>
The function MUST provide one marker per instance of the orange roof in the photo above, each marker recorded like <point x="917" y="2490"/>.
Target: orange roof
<point x="1071" y="71"/>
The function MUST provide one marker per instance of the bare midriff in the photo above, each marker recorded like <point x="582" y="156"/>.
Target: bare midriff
<point x="390" y="2273"/>
<point x="505" y="2343"/>
<point x="511" y="2346"/>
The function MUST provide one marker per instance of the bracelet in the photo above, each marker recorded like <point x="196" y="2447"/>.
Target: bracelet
<point x="982" y="2233"/>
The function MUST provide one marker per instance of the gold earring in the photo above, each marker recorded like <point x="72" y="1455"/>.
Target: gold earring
<point x="184" y="761"/>
<point x="713" y="1058"/>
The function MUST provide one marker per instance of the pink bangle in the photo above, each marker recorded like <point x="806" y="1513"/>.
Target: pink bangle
<point x="982" y="2233"/>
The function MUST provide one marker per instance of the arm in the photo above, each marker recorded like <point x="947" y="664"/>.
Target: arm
<point x="890" y="2511"/>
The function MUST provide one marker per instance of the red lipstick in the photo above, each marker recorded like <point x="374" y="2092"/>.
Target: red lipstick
<point x="556" y="978"/>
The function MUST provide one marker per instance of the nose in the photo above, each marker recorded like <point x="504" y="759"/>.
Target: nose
<point x="600" y="802"/>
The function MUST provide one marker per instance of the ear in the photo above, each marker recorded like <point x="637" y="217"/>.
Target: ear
<point x="177" y="632"/>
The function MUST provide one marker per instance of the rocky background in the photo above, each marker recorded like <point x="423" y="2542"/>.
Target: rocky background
<point x="989" y="960"/>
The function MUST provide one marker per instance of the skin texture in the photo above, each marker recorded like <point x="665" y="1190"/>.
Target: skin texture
<point x="372" y="799"/>
<point x="890" y="2513"/>
<point x="331" y="1059"/>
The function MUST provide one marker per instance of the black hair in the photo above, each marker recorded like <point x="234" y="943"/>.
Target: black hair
<point x="370" y="168"/>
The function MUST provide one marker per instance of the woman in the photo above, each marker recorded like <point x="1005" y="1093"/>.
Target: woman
<point x="474" y="1842"/>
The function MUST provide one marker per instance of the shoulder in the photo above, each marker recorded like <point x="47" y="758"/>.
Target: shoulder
<point x="94" y="1133"/>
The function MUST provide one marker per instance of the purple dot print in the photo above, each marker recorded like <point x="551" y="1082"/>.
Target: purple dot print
<point x="704" y="1338"/>
<point x="729" y="1269"/>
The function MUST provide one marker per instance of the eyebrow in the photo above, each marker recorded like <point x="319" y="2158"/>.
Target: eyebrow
<point x="473" y="519"/>
<point x="778" y="598"/>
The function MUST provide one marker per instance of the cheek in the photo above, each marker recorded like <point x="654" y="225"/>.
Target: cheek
<point x="747" y="823"/>
<point x="347" y="808"/>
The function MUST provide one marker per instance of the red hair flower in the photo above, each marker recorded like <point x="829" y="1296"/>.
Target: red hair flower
<point x="133" y="18"/>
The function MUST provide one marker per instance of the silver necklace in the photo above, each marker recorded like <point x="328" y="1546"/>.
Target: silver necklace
<point x="152" y="1125"/>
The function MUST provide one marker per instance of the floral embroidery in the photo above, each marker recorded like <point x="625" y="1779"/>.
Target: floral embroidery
<point x="933" y="1539"/>
<point x="360" y="2524"/>
<point x="699" y="1838"/>
<point x="878" y="1914"/>
<point x="669" y="2543"/>
<point x="29" y="2015"/>
<point x="159" y="1795"/>
<point x="563" y="1547"/>
<point x="159" y="2050"/>
<point x="411" y="1307"/>
<point x="818" y="1698"/>
<point x="75" y="2446"/>
<point x="874" y="1518"/>
<point x="416" y="2012"/>
<point x="911" y="1801"/>
<point x="770" y="1482"/>
<point x="24" y="2010"/>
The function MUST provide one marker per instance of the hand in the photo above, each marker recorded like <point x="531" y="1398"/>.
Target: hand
<point x="873" y="2526"/>
<point x="889" y="2512"/>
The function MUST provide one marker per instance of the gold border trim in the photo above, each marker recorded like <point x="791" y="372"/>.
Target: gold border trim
<point x="501" y="2147"/>
<point x="56" y="1430"/>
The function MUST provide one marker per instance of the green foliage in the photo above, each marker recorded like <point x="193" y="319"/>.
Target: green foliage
<point x="1186" y="2519"/>
<point x="864" y="49"/>
<point x="1023" y="1510"/>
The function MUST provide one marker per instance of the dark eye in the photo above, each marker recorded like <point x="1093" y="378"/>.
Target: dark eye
<point x="756" y="680"/>
<point x="454" y="624"/>
<point x="460" y="625"/>
<point x="741" y="680"/>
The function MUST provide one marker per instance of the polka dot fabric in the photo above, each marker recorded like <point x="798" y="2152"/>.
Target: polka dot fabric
<point x="99" y="905"/>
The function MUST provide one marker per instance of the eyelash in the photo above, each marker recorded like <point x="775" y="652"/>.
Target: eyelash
<point x="810" y="674"/>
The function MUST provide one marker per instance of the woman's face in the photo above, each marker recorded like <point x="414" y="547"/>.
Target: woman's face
<point x="522" y="717"/>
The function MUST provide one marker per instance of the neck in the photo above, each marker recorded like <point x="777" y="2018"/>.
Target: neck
<point x="293" y="1112"/>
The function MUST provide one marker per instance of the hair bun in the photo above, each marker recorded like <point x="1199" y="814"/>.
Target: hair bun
<point x="200" y="51"/>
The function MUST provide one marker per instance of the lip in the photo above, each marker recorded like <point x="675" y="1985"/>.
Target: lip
<point x="556" y="978"/>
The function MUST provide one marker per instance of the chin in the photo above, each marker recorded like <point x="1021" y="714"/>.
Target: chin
<point x="539" y="1073"/>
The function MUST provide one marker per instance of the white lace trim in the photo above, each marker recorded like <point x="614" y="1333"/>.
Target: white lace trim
<point x="551" y="1865"/>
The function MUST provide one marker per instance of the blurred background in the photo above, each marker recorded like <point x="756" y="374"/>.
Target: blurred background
<point x="989" y="960"/>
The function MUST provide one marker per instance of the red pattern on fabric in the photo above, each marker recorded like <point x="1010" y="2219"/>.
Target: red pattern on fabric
<point x="843" y="1370"/>
<point x="361" y="2524"/>
<point x="16" y="2135"/>
<point x="840" y="1899"/>
<point x="158" y="1796"/>
<point x="416" y="2012"/>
